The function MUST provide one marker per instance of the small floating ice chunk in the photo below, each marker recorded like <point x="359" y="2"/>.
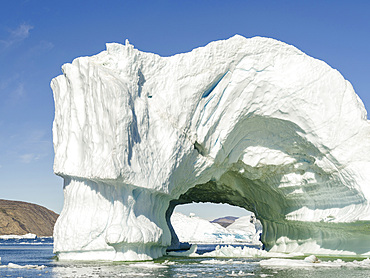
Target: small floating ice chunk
<point x="214" y="261"/>
<point x="167" y="262"/>
<point x="239" y="274"/>
<point x="12" y="265"/>
<point x="312" y="259"/>
<point x="188" y="253"/>
<point x="148" y="265"/>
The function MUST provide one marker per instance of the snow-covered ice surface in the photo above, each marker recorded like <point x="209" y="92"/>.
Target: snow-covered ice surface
<point x="194" y="229"/>
<point x="254" y="123"/>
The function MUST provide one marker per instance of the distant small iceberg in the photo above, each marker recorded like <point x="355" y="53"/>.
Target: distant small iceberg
<point x="193" y="229"/>
<point x="28" y="266"/>
<point x="26" y="236"/>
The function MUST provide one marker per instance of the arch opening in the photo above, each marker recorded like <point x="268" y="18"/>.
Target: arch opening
<point x="208" y="225"/>
<point x="220" y="192"/>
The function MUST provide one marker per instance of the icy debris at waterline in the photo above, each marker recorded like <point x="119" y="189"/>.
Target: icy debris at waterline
<point x="246" y="252"/>
<point x="310" y="261"/>
<point x="236" y="252"/>
<point x="307" y="262"/>
<point x="254" y="123"/>
<point x="26" y="236"/>
<point x="290" y="263"/>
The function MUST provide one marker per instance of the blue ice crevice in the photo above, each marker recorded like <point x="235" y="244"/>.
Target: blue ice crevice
<point x="214" y="84"/>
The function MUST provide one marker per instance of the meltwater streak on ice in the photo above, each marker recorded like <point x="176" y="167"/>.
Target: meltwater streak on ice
<point x="254" y="123"/>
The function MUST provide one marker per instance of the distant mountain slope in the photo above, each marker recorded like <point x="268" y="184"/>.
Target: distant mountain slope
<point x="225" y="221"/>
<point x="19" y="218"/>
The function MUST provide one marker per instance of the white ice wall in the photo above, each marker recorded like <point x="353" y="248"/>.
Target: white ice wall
<point x="270" y="128"/>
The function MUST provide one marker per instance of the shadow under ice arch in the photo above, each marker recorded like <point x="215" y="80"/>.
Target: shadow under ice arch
<point x="253" y="123"/>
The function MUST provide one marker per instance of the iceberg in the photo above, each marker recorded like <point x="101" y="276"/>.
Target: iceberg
<point x="193" y="229"/>
<point x="12" y="265"/>
<point x="252" y="122"/>
<point x="26" y="236"/>
<point x="247" y="227"/>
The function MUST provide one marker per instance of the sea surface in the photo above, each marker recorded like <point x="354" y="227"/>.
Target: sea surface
<point x="35" y="258"/>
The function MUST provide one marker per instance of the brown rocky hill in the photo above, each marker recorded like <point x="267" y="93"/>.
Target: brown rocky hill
<point x="19" y="218"/>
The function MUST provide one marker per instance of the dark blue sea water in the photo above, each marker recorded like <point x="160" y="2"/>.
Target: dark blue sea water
<point x="38" y="254"/>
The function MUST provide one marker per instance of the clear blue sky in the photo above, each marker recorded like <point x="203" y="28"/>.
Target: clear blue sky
<point x="37" y="37"/>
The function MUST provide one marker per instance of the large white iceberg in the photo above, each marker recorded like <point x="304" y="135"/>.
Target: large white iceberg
<point x="253" y="123"/>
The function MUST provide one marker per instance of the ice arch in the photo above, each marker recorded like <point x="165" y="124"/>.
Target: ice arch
<point x="250" y="122"/>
